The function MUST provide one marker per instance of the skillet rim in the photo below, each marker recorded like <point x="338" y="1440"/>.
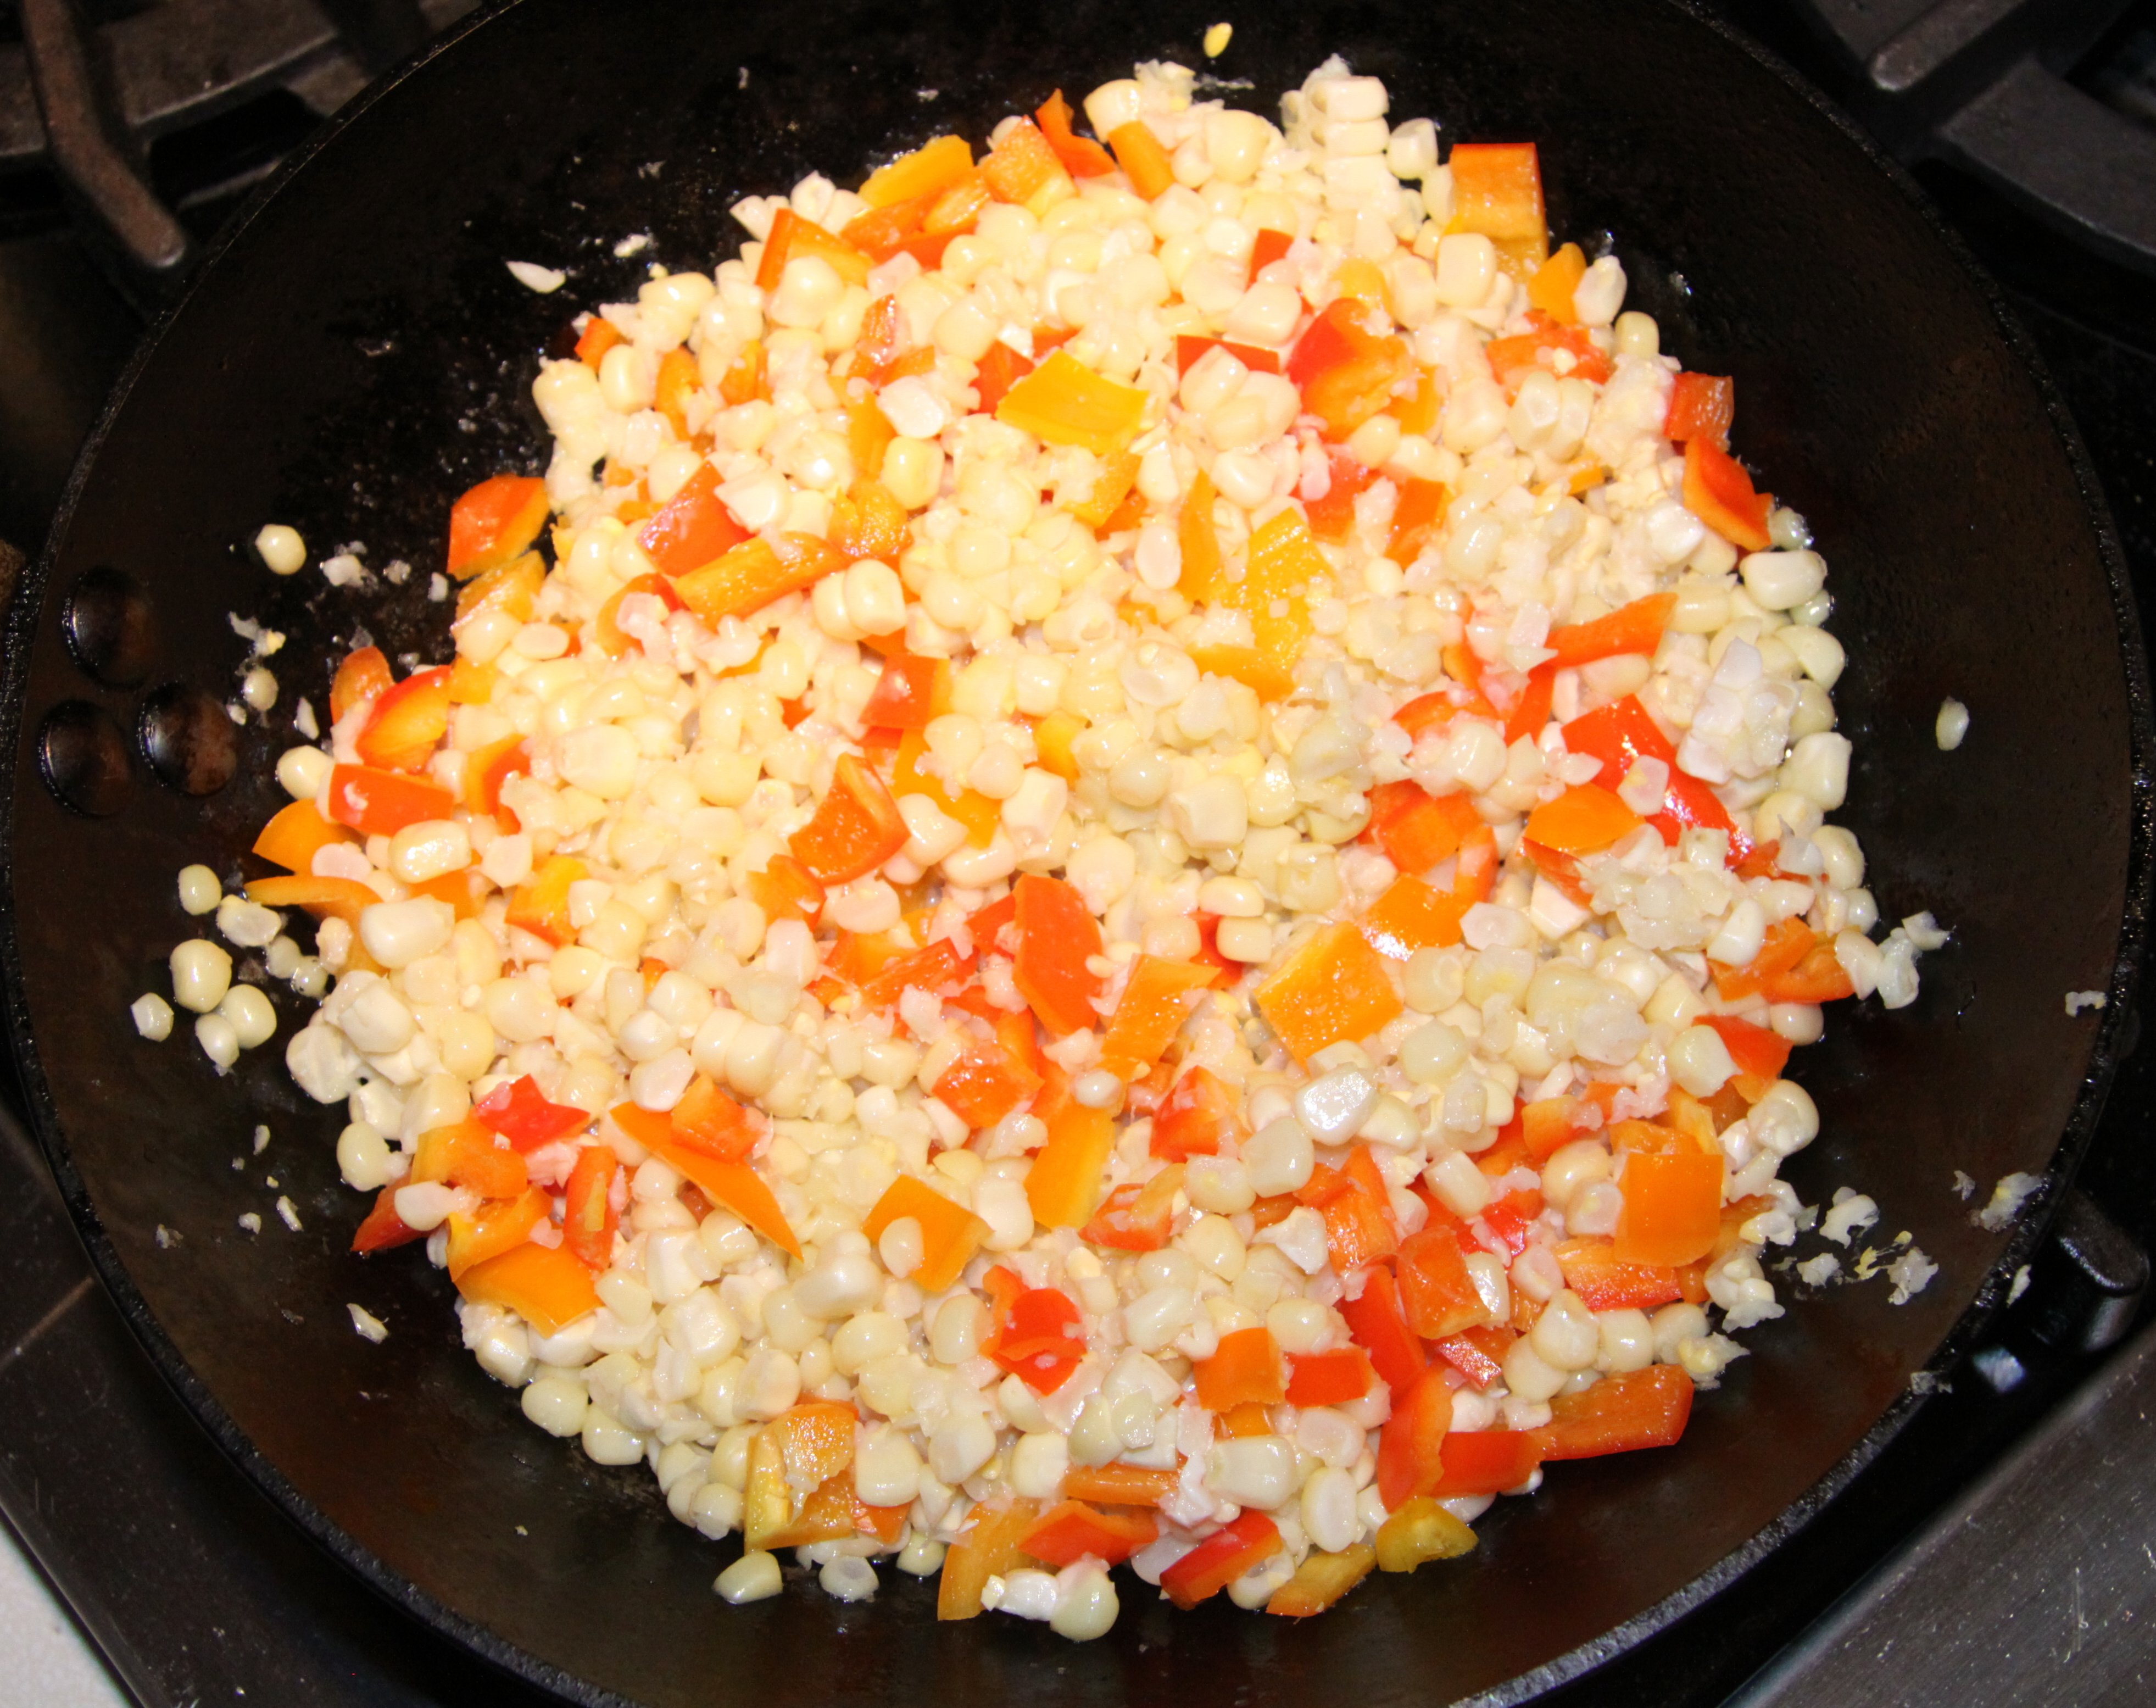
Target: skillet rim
<point x="26" y="611"/>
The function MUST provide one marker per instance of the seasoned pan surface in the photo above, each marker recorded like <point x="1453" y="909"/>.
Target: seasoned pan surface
<point x="358" y="355"/>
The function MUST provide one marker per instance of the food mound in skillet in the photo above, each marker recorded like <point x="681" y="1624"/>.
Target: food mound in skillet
<point x="1117" y="868"/>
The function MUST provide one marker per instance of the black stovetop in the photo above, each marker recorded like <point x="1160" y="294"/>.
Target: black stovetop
<point x="199" y="1591"/>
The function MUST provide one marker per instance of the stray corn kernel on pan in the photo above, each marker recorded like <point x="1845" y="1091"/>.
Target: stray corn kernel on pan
<point x="1116" y="870"/>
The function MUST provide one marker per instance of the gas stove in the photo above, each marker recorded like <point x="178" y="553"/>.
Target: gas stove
<point x="130" y="131"/>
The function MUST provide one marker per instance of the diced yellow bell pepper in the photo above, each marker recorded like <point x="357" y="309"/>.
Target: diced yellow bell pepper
<point x="1321" y="1580"/>
<point x="935" y="165"/>
<point x="1063" y="401"/>
<point x="978" y="813"/>
<point x="1420" y="1530"/>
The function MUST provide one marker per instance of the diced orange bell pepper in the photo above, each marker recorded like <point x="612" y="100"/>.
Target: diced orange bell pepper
<point x="1023" y="167"/>
<point x="1270" y="245"/>
<point x="868" y="521"/>
<point x="408" y="722"/>
<point x="1497" y="191"/>
<point x="1321" y="1579"/>
<point x="734" y="1184"/>
<point x="1118" y="473"/>
<point x="1332" y="517"/>
<point x="363" y="675"/>
<point x="692" y="528"/>
<point x="1063" y="402"/>
<point x="755" y="572"/>
<point x="786" y="889"/>
<point x="1064" y="1184"/>
<point x="1622" y="732"/>
<point x="993" y="1547"/>
<point x="492" y="1229"/>
<point x="296" y="835"/>
<point x="1586" y="819"/>
<point x="1412" y="1442"/>
<point x="1141" y="156"/>
<point x="599" y="336"/>
<point x="748" y="379"/>
<point x="1672" y="1209"/>
<point x="1246" y="1369"/>
<point x="1221" y="1558"/>
<point x="1345" y="365"/>
<point x="1547" y="1125"/>
<point x="978" y="813"/>
<point x="1701" y="406"/>
<point x="382" y="1227"/>
<point x="1375" y="1322"/>
<point x="856" y="826"/>
<point x="707" y="1120"/>
<point x="912" y="691"/>
<point x="1067" y="1533"/>
<point x="1329" y="1378"/>
<point x="1057" y="935"/>
<point x="1157" y="999"/>
<point x="1818" y="977"/>
<point x="464" y="1154"/>
<point x="1331" y="986"/>
<point x="607" y="625"/>
<point x="931" y="168"/>
<point x="950" y="1233"/>
<point x="1566" y="351"/>
<point x="1487" y="1462"/>
<point x="984" y="1083"/>
<point x="493" y="522"/>
<point x="1137" y="1217"/>
<point x="540" y="904"/>
<point x="325" y="898"/>
<point x="1636" y="627"/>
<point x="676" y="383"/>
<point x="1718" y="491"/>
<point x="1410" y="915"/>
<point x="996" y="372"/>
<point x="880" y="233"/>
<point x="1621" y="1414"/>
<point x="511" y="587"/>
<point x="1190" y="346"/>
<point x="1437" y="1295"/>
<point x="1555" y="281"/>
<point x="792" y="238"/>
<point x="589" y="1218"/>
<point x="1118" y="1484"/>
<point x="548" y="1286"/>
<point x="1416" y="517"/>
<point x="937" y="970"/>
<point x="487" y="769"/>
<point x="1195" y="1116"/>
<point x="1358" y="1223"/>
<point x="1081" y="157"/>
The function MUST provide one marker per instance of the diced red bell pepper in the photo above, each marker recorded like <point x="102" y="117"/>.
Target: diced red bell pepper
<point x="1410" y="1446"/>
<point x="1487" y="1462"/>
<point x="1718" y="491"/>
<point x="984" y="1083"/>
<point x="786" y="889"/>
<point x="1345" y="365"/>
<point x="1513" y="359"/>
<point x="691" y="529"/>
<point x="1621" y="732"/>
<point x="1329" y="1378"/>
<point x="1622" y="1413"/>
<point x="855" y="829"/>
<point x="589" y="1216"/>
<point x="1477" y="1354"/>
<point x="1760" y="1056"/>
<point x="495" y="522"/>
<point x="996" y="372"/>
<point x="1036" y="1334"/>
<point x="1701" y="406"/>
<point x="1416" y="829"/>
<point x="382" y="1227"/>
<point x="1190" y="346"/>
<point x="1375" y="1321"/>
<point x="792" y="238"/>
<point x="520" y="1112"/>
<point x="1636" y="627"/>
<point x="708" y="1121"/>
<point x="1066" y="1534"/>
<point x="1332" y="517"/>
<point x="1592" y="1271"/>
<point x="379" y="802"/>
<point x="1220" y="1559"/>
<point x="1511" y="1218"/>
<point x="1269" y="246"/>
<point x="1416" y="518"/>
<point x="1195" y="1116"/>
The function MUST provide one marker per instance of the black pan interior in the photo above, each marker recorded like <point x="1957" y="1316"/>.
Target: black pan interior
<point x="358" y="355"/>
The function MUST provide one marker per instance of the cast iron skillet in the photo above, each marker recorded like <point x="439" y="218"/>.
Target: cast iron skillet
<point x="357" y="355"/>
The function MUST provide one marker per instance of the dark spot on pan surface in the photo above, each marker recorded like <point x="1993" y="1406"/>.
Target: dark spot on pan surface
<point x="319" y="377"/>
